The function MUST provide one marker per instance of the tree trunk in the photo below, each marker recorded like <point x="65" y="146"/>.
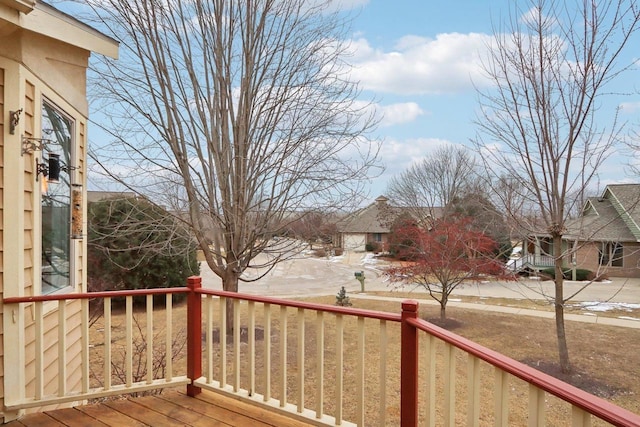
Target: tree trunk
<point x="443" y="307"/>
<point x="563" y="350"/>
<point x="230" y="283"/>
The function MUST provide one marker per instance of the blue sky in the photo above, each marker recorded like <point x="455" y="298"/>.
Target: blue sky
<point x="418" y="60"/>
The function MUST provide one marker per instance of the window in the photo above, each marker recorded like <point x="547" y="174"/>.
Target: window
<point x="546" y="246"/>
<point x="56" y="201"/>
<point x="611" y="254"/>
<point x="377" y="237"/>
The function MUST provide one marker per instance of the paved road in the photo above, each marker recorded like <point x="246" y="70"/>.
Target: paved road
<point x="321" y="276"/>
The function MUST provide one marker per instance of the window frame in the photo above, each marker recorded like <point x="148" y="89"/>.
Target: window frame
<point x="611" y="254"/>
<point x="69" y="164"/>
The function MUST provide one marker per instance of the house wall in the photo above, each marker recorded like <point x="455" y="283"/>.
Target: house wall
<point x="3" y="114"/>
<point x="50" y="71"/>
<point x="588" y="257"/>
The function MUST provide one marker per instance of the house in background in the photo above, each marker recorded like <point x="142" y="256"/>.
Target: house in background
<point x="372" y="224"/>
<point x="44" y="55"/>
<point x="96" y="196"/>
<point x="604" y="239"/>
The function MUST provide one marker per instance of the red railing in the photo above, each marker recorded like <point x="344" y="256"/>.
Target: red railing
<point x="594" y="405"/>
<point x="411" y="327"/>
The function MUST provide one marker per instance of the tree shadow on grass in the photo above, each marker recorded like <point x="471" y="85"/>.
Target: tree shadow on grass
<point x="448" y="323"/>
<point x="244" y="335"/>
<point x="576" y="378"/>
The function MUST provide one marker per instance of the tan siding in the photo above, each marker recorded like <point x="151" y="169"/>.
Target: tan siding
<point x="1" y="359"/>
<point x="29" y="108"/>
<point x="50" y="346"/>
<point x="29" y="162"/>
<point x="74" y="343"/>
<point x="81" y="151"/>
<point x="28" y="206"/>
<point x="2" y="114"/>
<point x="80" y="245"/>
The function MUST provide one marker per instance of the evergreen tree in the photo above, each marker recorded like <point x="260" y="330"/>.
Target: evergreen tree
<point x="136" y="244"/>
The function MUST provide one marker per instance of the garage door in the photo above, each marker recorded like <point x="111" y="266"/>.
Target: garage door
<point x="354" y="242"/>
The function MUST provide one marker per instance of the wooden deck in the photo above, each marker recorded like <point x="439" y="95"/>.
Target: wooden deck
<point x="170" y="408"/>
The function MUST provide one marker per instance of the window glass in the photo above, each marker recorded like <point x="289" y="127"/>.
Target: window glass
<point x="56" y="200"/>
<point x="611" y="252"/>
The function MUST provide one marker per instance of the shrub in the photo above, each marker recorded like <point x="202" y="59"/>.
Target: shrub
<point x="320" y="253"/>
<point x="136" y="244"/>
<point x="342" y="299"/>
<point x="372" y="247"/>
<point x="338" y="251"/>
<point x="567" y="273"/>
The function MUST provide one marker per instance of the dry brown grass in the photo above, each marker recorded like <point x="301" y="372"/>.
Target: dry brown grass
<point x="540" y="305"/>
<point x="605" y="359"/>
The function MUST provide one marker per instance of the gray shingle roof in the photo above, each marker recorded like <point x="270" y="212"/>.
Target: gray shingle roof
<point x="375" y="218"/>
<point x="379" y="216"/>
<point x="613" y="217"/>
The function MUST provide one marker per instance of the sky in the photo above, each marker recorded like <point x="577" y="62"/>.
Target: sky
<point x="420" y="60"/>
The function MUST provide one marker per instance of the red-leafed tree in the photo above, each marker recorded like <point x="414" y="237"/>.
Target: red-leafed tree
<point x="443" y="257"/>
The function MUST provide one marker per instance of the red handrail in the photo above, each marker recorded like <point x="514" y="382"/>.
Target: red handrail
<point x="411" y="323"/>
<point x="91" y="295"/>
<point x="601" y="408"/>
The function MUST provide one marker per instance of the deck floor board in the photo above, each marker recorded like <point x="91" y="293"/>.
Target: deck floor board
<point x="173" y="407"/>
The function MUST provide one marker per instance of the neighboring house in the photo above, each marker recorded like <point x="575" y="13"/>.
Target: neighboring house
<point x="372" y="224"/>
<point x="96" y="196"/>
<point x="44" y="56"/>
<point x="605" y="237"/>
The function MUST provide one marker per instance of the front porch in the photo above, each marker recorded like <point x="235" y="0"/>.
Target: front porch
<point x="310" y="364"/>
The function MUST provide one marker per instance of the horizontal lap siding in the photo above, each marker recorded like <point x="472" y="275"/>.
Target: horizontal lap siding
<point x="28" y="199"/>
<point x="50" y="349"/>
<point x="26" y="248"/>
<point x="2" y="115"/>
<point x="31" y="202"/>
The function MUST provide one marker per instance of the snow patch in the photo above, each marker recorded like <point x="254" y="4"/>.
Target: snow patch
<point x="607" y="306"/>
<point x="369" y="258"/>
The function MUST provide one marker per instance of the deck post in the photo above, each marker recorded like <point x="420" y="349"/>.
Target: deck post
<point x="409" y="366"/>
<point x="194" y="334"/>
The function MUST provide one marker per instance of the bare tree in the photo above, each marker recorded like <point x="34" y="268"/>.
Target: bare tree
<point x="243" y="109"/>
<point x="539" y="124"/>
<point x="435" y="181"/>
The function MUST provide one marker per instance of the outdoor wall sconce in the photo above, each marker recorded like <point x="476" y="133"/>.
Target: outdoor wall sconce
<point x="51" y="169"/>
<point x="14" y="119"/>
<point x="29" y="145"/>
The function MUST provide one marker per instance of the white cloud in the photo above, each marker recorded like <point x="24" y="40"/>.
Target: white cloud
<point x="535" y="16"/>
<point x="419" y="65"/>
<point x="399" y="155"/>
<point x="400" y="113"/>
<point x="630" y="107"/>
